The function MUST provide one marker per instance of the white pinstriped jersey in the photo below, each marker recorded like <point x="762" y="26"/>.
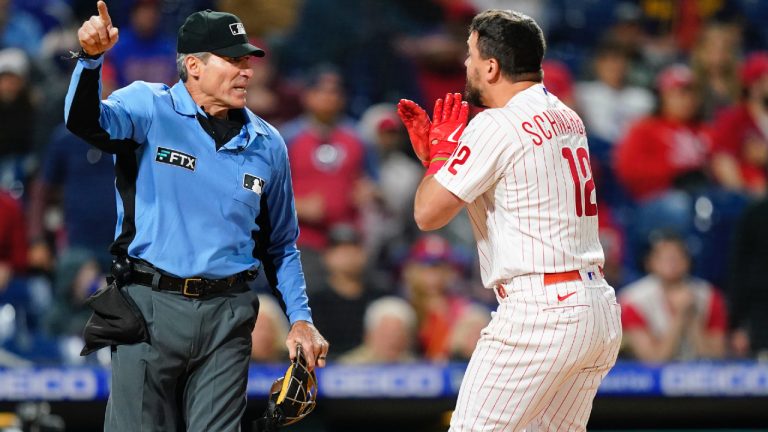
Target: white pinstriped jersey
<point x="524" y="171"/>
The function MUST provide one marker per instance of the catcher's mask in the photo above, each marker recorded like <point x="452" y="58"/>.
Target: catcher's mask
<point x="292" y="396"/>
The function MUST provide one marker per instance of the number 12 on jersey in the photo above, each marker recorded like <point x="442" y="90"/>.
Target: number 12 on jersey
<point x="461" y="156"/>
<point x="584" y="204"/>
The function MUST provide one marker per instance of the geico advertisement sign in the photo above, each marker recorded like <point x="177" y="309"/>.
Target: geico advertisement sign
<point x="48" y="384"/>
<point x="387" y="382"/>
<point x="715" y="380"/>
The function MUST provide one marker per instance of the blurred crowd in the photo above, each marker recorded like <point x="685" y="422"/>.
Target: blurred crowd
<point x="674" y="95"/>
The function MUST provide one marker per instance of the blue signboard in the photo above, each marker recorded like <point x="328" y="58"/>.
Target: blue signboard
<point x="408" y="381"/>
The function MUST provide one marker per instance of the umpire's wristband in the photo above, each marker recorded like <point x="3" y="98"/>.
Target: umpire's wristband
<point x="75" y="55"/>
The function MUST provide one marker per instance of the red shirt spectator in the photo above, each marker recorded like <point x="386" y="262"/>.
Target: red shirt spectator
<point x="740" y="137"/>
<point x="13" y="241"/>
<point x="327" y="166"/>
<point x="669" y="315"/>
<point x="733" y="134"/>
<point x="645" y="308"/>
<point x="660" y="149"/>
<point x="328" y="160"/>
<point x="656" y="151"/>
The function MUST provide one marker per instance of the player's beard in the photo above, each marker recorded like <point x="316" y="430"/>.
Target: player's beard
<point x="473" y="94"/>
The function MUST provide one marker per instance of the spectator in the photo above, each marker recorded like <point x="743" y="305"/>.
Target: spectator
<point x="684" y="20"/>
<point x="646" y="51"/>
<point x="83" y="177"/>
<point x="670" y="315"/>
<point x="17" y="119"/>
<point x="438" y="55"/>
<point x="400" y="171"/>
<point x="50" y="14"/>
<point x="268" y="336"/>
<point x="263" y="18"/>
<point x="360" y="37"/>
<point x="389" y="223"/>
<point x="390" y="325"/>
<point x="748" y="294"/>
<point x="466" y="331"/>
<point x="144" y="53"/>
<point x="77" y="276"/>
<point x="740" y="134"/>
<point x="608" y="103"/>
<point x="269" y="95"/>
<point x="18" y="29"/>
<point x="345" y="292"/>
<point x="714" y="61"/>
<point x="328" y="165"/>
<point x="668" y="149"/>
<point x="613" y="239"/>
<point x="13" y="244"/>
<point x="429" y="275"/>
<point x="558" y="80"/>
<point x="16" y="292"/>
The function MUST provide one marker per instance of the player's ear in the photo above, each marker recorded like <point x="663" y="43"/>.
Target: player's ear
<point x="492" y="71"/>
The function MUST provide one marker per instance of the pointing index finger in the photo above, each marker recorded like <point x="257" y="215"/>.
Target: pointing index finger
<point x="103" y="13"/>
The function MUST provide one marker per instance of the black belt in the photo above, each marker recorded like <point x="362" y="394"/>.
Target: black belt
<point x="189" y="287"/>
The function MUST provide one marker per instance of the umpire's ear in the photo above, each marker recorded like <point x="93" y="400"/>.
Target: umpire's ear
<point x="194" y="66"/>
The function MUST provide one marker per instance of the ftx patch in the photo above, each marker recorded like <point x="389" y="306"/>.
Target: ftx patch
<point x="174" y="157"/>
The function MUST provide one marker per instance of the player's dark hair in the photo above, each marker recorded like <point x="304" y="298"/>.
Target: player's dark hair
<point x="514" y="40"/>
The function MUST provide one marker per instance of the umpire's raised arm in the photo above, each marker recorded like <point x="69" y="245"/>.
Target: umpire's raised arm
<point x="102" y="124"/>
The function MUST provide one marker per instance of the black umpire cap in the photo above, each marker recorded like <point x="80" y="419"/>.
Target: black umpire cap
<point x="220" y="33"/>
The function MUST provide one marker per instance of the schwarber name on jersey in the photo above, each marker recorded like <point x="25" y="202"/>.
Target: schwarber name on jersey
<point x="524" y="171"/>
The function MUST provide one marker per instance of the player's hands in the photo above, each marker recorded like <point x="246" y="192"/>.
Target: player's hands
<point x="417" y="124"/>
<point x="448" y="122"/>
<point x="314" y="344"/>
<point x="434" y="141"/>
<point x="97" y="35"/>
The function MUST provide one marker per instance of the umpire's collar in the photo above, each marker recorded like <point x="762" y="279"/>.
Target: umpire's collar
<point x="185" y="105"/>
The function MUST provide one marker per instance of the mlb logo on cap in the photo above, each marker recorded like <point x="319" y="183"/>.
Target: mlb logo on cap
<point x="220" y="33"/>
<point x="237" y="28"/>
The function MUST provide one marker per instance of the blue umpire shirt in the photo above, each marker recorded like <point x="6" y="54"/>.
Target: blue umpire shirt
<point x="187" y="208"/>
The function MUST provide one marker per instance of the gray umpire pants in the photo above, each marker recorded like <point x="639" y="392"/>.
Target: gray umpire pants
<point x="192" y="375"/>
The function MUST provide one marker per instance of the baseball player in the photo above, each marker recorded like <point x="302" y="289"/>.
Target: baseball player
<point x="521" y="168"/>
<point x="204" y="198"/>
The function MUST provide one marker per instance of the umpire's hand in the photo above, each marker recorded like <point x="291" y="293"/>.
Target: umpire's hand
<point x="314" y="344"/>
<point x="97" y="35"/>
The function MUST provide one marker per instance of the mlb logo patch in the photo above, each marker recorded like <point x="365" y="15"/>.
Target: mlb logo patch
<point x="591" y="275"/>
<point x="253" y="183"/>
<point x="237" y="29"/>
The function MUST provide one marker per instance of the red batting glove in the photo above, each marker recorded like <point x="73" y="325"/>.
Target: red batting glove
<point x="448" y="122"/>
<point x="417" y="124"/>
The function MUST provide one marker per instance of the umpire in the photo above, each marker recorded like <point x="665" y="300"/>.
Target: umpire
<point x="204" y="200"/>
